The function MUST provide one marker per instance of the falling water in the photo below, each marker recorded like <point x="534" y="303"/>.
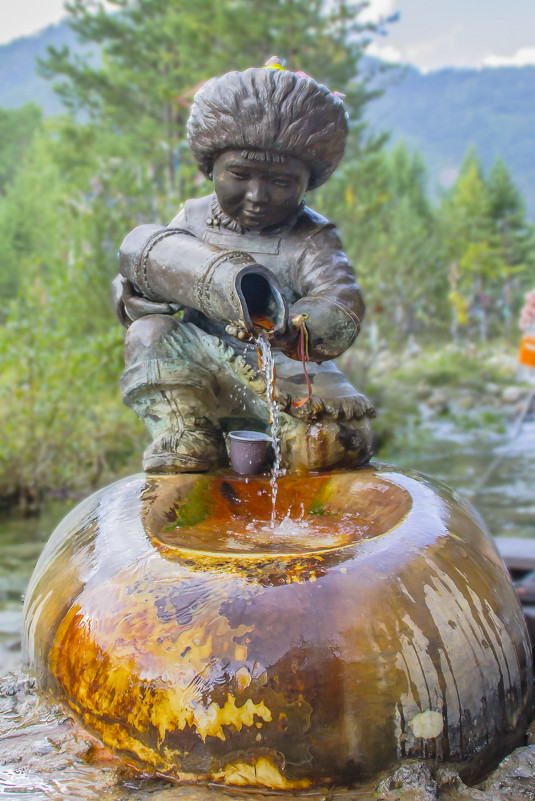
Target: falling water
<point x="267" y="365"/>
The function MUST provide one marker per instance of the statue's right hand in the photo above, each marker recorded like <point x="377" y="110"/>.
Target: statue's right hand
<point x="129" y="306"/>
<point x="239" y="331"/>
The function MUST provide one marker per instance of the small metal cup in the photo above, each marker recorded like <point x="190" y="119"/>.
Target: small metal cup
<point x="247" y="451"/>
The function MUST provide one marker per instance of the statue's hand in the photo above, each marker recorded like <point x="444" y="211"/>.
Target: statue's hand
<point x="129" y="306"/>
<point x="239" y="331"/>
<point x="286" y="340"/>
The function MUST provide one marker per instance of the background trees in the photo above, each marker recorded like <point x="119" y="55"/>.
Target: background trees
<point x="489" y="246"/>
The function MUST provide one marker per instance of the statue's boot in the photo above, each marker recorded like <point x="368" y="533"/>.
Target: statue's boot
<point x="183" y="442"/>
<point x="175" y="398"/>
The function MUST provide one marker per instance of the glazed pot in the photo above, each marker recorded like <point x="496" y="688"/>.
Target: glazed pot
<point x="374" y="622"/>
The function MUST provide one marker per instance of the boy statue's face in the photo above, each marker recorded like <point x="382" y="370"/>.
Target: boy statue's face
<point x="259" y="194"/>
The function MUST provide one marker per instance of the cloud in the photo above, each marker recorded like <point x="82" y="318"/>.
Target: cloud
<point x="421" y="51"/>
<point x="384" y="52"/>
<point x="25" y="17"/>
<point x="378" y="9"/>
<point x="522" y="58"/>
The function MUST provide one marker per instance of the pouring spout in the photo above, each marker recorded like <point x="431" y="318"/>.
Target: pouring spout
<point x="263" y="306"/>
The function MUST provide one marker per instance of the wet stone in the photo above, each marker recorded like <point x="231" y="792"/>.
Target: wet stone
<point x="414" y="778"/>
<point x="513" y="394"/>
<point x="42" y="747"/>
<point x="514" y="779"/>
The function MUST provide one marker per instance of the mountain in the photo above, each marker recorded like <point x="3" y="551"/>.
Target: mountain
<point x="19" y="81"/>
<point x="440" y="113"/>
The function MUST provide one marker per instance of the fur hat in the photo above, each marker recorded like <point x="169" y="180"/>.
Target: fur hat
<point x="271" y="110"/>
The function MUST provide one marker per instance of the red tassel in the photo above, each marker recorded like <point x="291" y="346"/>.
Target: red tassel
<point x="302" y="352"/>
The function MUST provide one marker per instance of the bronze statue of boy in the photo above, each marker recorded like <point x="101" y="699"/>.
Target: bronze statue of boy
<point x="248" y="257"/>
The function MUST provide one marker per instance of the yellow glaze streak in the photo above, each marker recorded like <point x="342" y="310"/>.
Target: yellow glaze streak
<point x="261" y="773"/>
<point x="210" y="721"/>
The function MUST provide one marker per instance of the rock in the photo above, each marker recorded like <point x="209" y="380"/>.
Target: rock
<point x="467" y="402"/>
<point x="513" y="395"/>
<point x="11" y="760"/>
<point x="452" y="788"/>
<point x="531" y="733"/>
<point x="439" y="401"/>
<point x="412" y="776"/>
<point x="42" y="747"/>
<point x="514" y="778"/>
<point x="15" y="685"/>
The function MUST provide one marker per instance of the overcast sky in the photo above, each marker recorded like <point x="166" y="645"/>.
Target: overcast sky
<point x="430" y="33"/>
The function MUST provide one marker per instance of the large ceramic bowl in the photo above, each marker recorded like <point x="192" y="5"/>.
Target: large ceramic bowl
<point x="373" y="621"/>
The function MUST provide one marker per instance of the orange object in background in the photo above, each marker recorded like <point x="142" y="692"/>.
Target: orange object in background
<point x="526" y="355"/>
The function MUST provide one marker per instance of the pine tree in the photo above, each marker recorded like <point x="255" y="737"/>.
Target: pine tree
<point x="388" y="227"/>
<point x="516" y="235"/>
<point x="485" y="228"/>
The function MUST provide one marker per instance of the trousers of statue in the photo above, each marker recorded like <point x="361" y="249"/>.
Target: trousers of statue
<point x="190" y="388"/>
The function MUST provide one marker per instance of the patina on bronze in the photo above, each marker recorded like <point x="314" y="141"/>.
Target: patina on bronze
<point x="250" y="257"/>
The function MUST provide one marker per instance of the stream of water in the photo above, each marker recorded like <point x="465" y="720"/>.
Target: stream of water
<point x="267" y="365"/>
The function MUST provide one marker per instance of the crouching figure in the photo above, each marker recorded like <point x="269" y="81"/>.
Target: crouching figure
<point x="250" y="257"/>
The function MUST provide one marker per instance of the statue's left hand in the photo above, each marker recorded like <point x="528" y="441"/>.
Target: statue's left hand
<point x="129" y="306"/>
<point x="286" y="340"/>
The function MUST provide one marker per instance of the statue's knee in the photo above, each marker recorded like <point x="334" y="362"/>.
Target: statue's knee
<point x="145" y="337"/>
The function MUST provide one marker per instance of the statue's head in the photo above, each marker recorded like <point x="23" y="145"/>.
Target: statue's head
<point x="268" y="111"/>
